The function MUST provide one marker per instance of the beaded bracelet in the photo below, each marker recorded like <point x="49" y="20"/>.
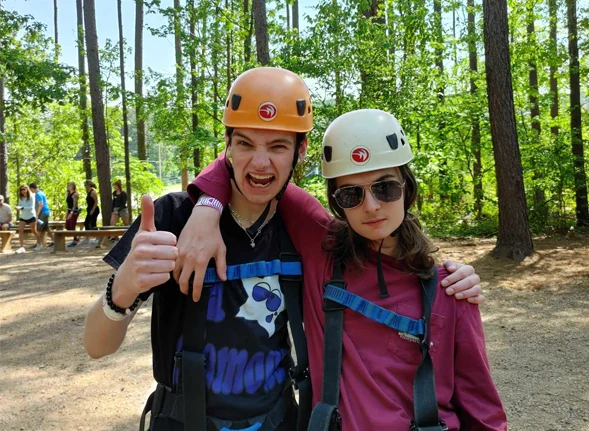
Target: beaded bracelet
<point x="112" y="305"/>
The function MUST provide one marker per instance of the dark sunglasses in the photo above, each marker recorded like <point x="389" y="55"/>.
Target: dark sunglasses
<point x="384" y="191"/>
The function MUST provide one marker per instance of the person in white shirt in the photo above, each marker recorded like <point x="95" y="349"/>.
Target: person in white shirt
<point x="27" y="216"/>
<point x="5" y="215"/>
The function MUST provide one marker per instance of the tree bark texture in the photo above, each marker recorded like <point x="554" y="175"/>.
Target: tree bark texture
<point x="261" y="27"/>
<point x="124" y="100"/>
<point x="582" y="210"/>
<point x="193" y="79"/>
<point x="248" y="15"/>
<point x="3" y="148"/>
<point x="83" y="93"/>
<point x="514" y="240"/>
<point x="295" y="15"/>
<point x="540" y="208"/>
<point x="55" y="29"/>
<point x="477" y="165"/>
<point x="141" y="145"/>
<point x="552" y="10"/>
<point x="100" y="144"/>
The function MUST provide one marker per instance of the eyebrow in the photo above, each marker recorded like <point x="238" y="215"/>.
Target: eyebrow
<point x="381" y="178"/>
<point x="274" y="141"/>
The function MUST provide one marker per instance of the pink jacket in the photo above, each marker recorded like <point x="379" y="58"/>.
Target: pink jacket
<point x="378" y="364"/>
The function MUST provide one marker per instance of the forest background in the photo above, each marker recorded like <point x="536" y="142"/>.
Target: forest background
<point x="478" y="145"/>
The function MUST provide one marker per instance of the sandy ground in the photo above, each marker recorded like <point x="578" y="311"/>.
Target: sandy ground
<point x="536" y="323"/>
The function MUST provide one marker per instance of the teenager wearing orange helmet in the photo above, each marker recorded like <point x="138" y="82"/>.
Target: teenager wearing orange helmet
<point x="376" y="328"/>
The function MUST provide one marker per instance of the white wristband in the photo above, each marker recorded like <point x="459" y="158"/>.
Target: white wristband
<point x="113" y="315"/>
<point x="209" y="201"/>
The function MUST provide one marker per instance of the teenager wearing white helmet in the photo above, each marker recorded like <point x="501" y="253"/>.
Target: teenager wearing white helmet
<point x="378" y="246"/>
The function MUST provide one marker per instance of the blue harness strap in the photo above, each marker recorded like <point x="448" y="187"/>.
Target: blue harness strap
<point x="373" y="311"/>
<point x="255" y="269"/>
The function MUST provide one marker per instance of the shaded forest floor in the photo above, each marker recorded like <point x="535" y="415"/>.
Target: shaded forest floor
<point x="536" y="323"/>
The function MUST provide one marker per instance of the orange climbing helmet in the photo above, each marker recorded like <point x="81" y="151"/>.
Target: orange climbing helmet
<point x="269" y="98"/>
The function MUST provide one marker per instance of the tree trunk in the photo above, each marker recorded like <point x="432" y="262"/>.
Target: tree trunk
<point x="3" y="148"/>
<point x="261" y="25"/>
<point x="124" y="100"/>
<point x="178" y="54"/>
<point x="369" y="84"/>
<point x="477" y="165"/>
<point x="443" y="176"/>
<point x="295" y="15"/>
<point x="514" y="240"/>
<point x="141" y="146"/>
<point x="55" y="28"/>
<point x="215" y="60"/>
<point x="582" y="211"/>
<point x="83" y="93"/>
<point x="248" y="15"/>
<point x="552" y="10"/>
<point x="193" y="82"/>
<point x="228" y="43"/>
<point x="540" y="208"/>
<point x="287" y="16"/>
<point x="100" y="145"/>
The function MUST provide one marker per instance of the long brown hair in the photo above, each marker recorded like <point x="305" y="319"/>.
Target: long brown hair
<point x="413" y="250"/>
<point x="28" y="196"/>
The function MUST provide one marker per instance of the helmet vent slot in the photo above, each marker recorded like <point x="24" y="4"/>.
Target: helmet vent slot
<point x="402" y="141"/>
<point x="327" y="153"/>
<point x="402" y="132"/>
<point x="393" y="141"/>
<point x="301" y="105"/>
<point x="235" y="101"/>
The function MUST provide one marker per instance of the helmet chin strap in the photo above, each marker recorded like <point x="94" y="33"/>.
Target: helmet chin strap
<point x="382" y="287"/>
<point x="253" y="229"/>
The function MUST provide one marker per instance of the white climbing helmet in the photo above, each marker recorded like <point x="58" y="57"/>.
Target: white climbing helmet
<point x="362" y="141"/>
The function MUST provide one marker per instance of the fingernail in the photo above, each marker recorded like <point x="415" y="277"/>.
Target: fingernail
<point x="452" y="267"/>
<point x="444" y="282"/>
<point x="459" y="296"/>
<point x="449" y="291"/>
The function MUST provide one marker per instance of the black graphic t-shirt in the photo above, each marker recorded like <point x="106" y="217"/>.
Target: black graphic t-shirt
<point x="247" y="347"/>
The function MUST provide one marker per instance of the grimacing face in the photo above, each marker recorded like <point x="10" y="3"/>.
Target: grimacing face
<point x="373" y="219"/>
<point x="262" y="161"/>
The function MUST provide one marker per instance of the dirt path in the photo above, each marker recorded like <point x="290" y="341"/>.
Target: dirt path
<point x="536" y="323"/>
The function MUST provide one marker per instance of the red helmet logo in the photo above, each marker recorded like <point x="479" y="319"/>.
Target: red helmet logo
<point x="267" y="111"/>
<point x="360" y="155"/>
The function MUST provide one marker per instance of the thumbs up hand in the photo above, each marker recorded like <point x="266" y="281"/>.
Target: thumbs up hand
<point x="152" y="257"/>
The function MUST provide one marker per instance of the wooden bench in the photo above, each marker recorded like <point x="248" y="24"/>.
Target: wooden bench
<point x="6" y="236"/>
<point x="60" y="225"/>
<point x="60" y="235"/>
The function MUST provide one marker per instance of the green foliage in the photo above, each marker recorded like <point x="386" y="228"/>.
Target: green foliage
<point x="350" y="59"/>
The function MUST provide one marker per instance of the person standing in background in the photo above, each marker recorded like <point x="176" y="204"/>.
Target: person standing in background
<point x="42" y="213"/>
<point x="119" y="205"/>
<point x="71" y="199"/>
<point x="26" y="206"/>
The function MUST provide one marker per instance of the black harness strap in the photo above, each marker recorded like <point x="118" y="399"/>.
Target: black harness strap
<point x="425" y="404"/>
<point x="292" y="289"/>
<point x="193" y="362"/>
<point x="325" y="416"/>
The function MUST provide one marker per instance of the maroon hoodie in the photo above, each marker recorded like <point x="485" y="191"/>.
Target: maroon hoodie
<point x="378" y="363"/>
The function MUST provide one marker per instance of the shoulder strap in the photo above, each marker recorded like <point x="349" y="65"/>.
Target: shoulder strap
<point x="193" y="362"/>
<point x="292" y="284"/>
<point x="325" y="416"/>
<point x="425" y="404"/>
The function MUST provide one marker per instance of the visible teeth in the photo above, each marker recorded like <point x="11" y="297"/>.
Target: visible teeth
<point x="262" y="177"/>
<point x="253" y="184"/>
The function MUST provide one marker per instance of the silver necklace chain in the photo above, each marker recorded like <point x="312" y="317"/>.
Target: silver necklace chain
<point x="238" y="219"/>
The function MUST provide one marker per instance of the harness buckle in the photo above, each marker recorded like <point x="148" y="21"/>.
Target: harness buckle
<point x="336" y="420"/>
<point x="329" y="305"/>
<point x="441" y="424"/>
<point x="290" y="257"/>
<point x="297" y="377"/>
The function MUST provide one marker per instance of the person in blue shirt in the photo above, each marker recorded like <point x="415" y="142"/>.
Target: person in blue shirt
<point x="42" y="211"/>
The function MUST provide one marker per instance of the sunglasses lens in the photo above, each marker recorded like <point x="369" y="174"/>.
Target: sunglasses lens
<point x="387" y="191"/>
<point x="349" y="197"/>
